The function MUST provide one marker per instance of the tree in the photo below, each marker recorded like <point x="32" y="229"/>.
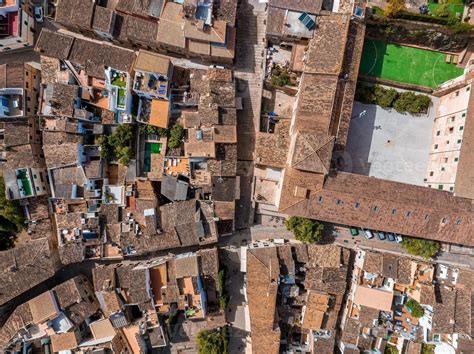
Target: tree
<point x="223" y="296"/>
<point x="151" y="129"/>
<point x="213" y="341"/>
<point x="305" y="230"/>
<point x="420" y="247"/>
<point x="385" y="97"/>
<point x="176" y="136"/>
<point x="118" y="145"/>
<point x="12" y="219"/>
<point x="428" y="348"/>
<point x="390" y="349"/>
<point x="394" y="7"/>
<point x="410" y="102"/>
<point x="443" y="9"/>
<point x="415" y="308"/>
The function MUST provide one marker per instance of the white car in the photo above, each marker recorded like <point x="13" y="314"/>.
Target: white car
<point x="398" y="238"/>
<point x="368" y="234"/>
<point x="38" y="12"/>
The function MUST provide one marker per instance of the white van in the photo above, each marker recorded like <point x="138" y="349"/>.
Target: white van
<point x="368" y="234"/>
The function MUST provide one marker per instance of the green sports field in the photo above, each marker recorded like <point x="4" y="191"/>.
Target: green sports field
<point x="406" y="64"/>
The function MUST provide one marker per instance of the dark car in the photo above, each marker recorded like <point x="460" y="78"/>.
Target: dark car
<point x="354" y="231"/>
<point x="381" y="235"/>
<point x="391" y="237"/>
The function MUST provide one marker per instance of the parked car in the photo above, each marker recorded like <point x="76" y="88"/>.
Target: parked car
<point x="391" y="237"/>
<point x="398" y="238"/>
<point x="381" y="235"/>
<point x="354" y="231"/>
<point x="368" y="234"/>
<point x="38" y="12"/>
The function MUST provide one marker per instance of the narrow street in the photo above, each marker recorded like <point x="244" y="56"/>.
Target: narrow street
<point x="249" y="72"/>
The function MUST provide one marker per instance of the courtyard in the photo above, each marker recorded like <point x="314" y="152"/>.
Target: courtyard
<point x="408" y="65"/>
<point x="389" y="145"/>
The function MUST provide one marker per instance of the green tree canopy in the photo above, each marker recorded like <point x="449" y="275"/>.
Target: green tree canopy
<point x="415" y="308"/>
<point x="176" y="136"/>
<point x="394" y="7"/>
<point x="305" y="230"/>
<point x="213" y="341"/>
<point x="12" y="219"/>
<point x="118" y="146"/>
<point x="390" y="349"/>
<point x="428" y="348"/>
<point x="412" y="103"/>
<point x="385" y="97"/>
<point x="420" y="247"/>
<point x="151" y="129"/>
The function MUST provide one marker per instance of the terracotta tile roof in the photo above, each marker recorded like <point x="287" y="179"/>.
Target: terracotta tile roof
<point x="325" y="256"/>
<point x="152" y="62"/>
<point x="272" y="148"/>
<point x="387" y="206"/>
<point x="43" y="307"/>
<point x="404" y="271"/>
<point x="262" y="274"/>
<point x="215" y="33"/>
<point x="75" y="12"/>
<point x="316" y="307"/>
<point x="136" y="30"/>
<point x="103" y="19"/>
<point x="20" y="318"/>
<point x="275" y="21"/>
<point x="312" y="152"/>
<point x="64" y="341"/>
<point x="68" y="293"/>
<point x="310" y="6"/>
<point x="54" y="44"/>
<point x="171" y="30"/>
<point x="226" y="10"/>
<point x="390" y="266"/>
<point x="326" y="49"/>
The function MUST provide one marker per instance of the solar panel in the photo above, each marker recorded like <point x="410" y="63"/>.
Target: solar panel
<point x="307" y="21"/>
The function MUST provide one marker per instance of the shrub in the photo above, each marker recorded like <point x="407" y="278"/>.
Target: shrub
<point x="385" y="97"/>
<point x="412" y="103"/>
<point x="460" y="27"/>
<point x="305" y="230"/>
<point x="151" y="129"/>
<point x="213" y="341"/>
<point x="420" y="247"/>
<point x="175" y="136"/>
<point x="428" y="348"/>
<point x="365" y="94"/>
<point x="415" y="308"/>
<point x="442" y="10"/>
<point x="390" y="349"/>
<point x="223" y="296"/>
<point x="12" y="219"/>
<point x="394" y="7"/>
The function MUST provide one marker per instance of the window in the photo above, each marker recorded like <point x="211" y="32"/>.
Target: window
<point x="442" y="168"/>
<point x="444" y="220"/>
<point x="394" y="211"/>
<point x="429" y="185"/>
<point x="456" y="93"/>
<point x="445" y="160"/>
<point x="408" y="214"/>
<point x="451" y="189"/>
<point x="44" y="188"/>
<point x="461" y="127"/>
<point x="456" y="159"/>
<point x="440" y="186"/>
<point x="458" y="221"/>
<point x="451" y="130"/>
<point x="452" y="118"/>
<point x="464" y="115"/>
<point x="436" y="146"/>
<point x="375" y="208"/>
<point x="468" y="88"/>
<point x="357" y="205"/>
<point x="438" y="133"/>
<point x="459" y="141"/>
<point x="338" y="201"/>
<point x="38" y="188"/>
<point x="431" y="173"/>
<point x="320" y="199"/>
<point x="427" y="216"/>
<point x="447" y="142"/>
<point x="34" y="176"/>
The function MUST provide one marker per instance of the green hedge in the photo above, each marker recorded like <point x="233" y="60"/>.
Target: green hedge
<point x="390" y="98"/>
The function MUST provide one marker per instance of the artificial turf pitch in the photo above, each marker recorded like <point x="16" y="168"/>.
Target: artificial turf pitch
<point x="409" y="65"/>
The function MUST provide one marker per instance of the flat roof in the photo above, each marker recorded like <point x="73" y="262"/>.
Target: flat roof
<point x="373" y="298"/>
